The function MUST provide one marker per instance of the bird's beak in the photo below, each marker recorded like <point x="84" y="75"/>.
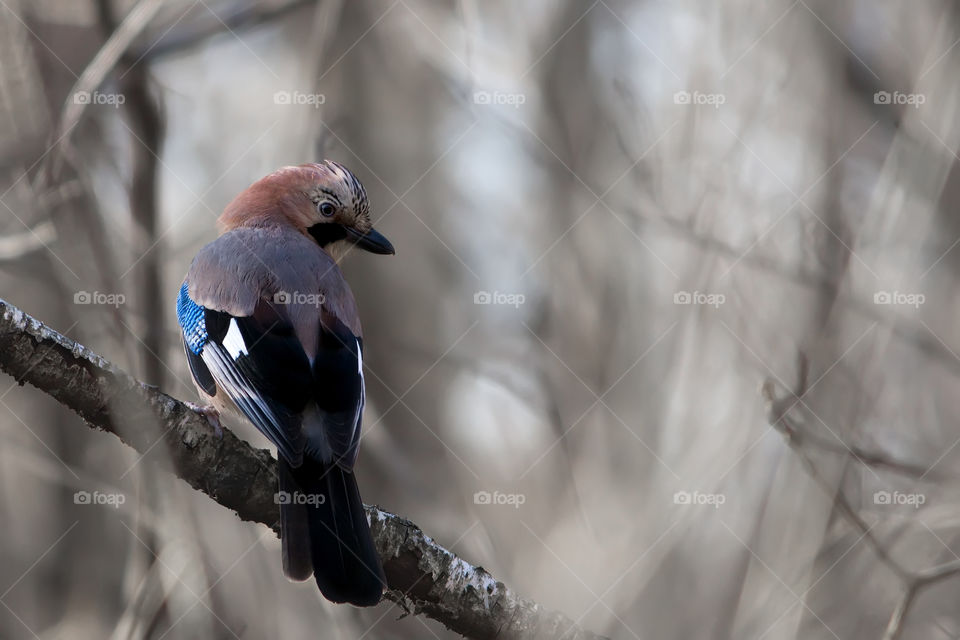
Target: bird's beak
<point x="372" y="241"/>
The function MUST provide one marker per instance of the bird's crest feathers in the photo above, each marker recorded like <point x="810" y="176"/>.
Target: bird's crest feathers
<point x="298" y="195"/>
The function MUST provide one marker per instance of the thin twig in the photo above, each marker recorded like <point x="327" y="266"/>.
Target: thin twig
<point x="913" y="581"/>
<point x="195" y="33"/>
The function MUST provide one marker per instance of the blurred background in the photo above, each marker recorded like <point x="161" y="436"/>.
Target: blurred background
<point x="614" y="220"/>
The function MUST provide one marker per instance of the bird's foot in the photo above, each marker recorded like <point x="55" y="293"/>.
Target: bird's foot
<point x="209" y="412"/>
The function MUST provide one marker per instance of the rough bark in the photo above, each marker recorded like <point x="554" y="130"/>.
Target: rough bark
<point x="421" y="575"/>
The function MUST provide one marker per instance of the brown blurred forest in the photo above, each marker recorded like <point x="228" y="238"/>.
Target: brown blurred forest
<point x="614" y="221"/>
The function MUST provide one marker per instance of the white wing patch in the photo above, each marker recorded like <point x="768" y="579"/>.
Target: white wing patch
<point x="363" y="396"/>
<point x="363" y="385"/>
<point x="233" y="341"/>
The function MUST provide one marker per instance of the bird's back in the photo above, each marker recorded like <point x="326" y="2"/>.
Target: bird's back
<point x="246" y="265"/>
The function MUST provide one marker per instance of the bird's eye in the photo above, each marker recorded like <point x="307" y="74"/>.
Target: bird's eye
<point x="327" y="209"/>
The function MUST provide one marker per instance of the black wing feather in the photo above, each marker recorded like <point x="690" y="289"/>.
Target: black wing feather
<point x="271" y="382"/>
<point x="199" y="371"/>
<point x="338" y="390"/>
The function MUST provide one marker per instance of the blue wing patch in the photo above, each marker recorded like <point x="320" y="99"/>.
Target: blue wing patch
<point x="190" y="315"/>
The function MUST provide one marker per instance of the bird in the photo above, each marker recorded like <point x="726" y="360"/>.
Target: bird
<point x="271" y="331"/>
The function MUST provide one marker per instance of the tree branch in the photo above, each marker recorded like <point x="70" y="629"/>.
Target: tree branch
<point x="421" y="575"/>
<point x="914" y="582"/>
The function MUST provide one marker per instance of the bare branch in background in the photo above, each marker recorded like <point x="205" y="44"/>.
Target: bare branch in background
<point x="425" y="577"/>
<point x="186" y="35"/>
<point x="16" y="245"/>
<point x="96" y="72"/>
<point x="913" y="581"/>
<point x="148" y="128"/>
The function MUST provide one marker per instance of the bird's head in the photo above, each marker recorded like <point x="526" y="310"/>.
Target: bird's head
<point x="323" y="200"/>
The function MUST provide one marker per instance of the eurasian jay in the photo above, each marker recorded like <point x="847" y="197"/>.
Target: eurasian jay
<point x="271" y="328"/>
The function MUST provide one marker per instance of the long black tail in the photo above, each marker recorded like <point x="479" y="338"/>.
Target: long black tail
<point x="324" y="532"/>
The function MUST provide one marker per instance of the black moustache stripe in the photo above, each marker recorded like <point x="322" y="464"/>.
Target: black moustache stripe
<point x="327" y="232"/>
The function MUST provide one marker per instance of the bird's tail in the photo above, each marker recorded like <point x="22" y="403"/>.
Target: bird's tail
<point x="324" y="533"/>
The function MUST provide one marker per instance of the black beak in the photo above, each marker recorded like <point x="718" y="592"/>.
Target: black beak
<point x="372" y="241"/>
